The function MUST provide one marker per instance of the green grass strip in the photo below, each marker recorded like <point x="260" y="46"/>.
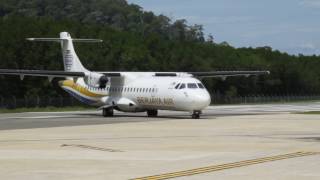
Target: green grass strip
<point x="45" y="109"/>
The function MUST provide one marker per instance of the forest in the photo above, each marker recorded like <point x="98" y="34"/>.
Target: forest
<point x="137" y="40"/>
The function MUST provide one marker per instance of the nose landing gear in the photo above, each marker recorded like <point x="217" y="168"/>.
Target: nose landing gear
<point x="196" y="114"/>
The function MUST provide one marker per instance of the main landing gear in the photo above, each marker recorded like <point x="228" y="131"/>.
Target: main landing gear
<point x="196" y="114"/>
<point x="107" y="112"/>
<point x="152" y="113"/>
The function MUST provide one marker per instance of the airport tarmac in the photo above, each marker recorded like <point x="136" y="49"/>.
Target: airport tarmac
<point x="268" y="141"/>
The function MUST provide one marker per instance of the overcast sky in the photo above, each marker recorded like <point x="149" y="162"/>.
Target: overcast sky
<point x="292" y="26"/>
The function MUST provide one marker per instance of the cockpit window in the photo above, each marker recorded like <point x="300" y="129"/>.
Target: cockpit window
<point x="192" y="86"/>
<point x="177" y="86"/>
<point x="201" y="86"/>
<point x="182" y="86"/>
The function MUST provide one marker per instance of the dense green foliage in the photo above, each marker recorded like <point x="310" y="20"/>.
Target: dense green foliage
<point x="135" y="40"/>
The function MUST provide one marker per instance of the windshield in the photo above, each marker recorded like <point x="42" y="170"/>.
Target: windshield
<point x="189" y="86"/>
<point x="192" y="86"/>
<point x="201" y="85"/>
<point x="182" y="86"/>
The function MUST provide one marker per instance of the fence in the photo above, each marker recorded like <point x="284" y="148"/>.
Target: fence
<point x="31" y="102"/>
<point x="256" y="99"/>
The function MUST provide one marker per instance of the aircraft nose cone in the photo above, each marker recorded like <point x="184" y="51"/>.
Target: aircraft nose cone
<point x="202" y="101"/>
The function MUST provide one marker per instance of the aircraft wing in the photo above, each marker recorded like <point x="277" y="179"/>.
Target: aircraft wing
<point x="44" y="73"/>
<point x="41" y="73"/>
<point x="224" y="74"/>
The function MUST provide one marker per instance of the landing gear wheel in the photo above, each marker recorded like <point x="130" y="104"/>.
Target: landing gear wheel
<point x="107" y="112"/>
<point x="196" y="114"/>
<point x="152" y="113"/>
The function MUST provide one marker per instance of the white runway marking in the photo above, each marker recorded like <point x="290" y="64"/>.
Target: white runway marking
<point x="42" y="117"/>
<point x="265" y="108"/>
<point x="64" y="112"/>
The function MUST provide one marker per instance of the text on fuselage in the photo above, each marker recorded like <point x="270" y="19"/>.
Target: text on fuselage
<point x="155" y="101"/>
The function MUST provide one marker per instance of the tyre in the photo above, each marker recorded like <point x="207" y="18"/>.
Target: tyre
<point x="196" y="114"/>
<point x="152" y="113"/>
<point x="107" y="112"/>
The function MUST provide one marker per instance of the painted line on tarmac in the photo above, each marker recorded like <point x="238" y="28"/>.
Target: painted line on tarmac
<point x="42" y="117"/>
<point x="227" y="166"/>
<point x="65" y="112"/>
<point x="90" y="147"/>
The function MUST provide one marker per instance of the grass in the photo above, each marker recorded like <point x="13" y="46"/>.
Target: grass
<point x="268" y="102"/>
<point x="45" y="109"/>
<point x="310" y="112"/>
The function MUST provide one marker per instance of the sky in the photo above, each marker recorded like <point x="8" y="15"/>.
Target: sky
<point x="291" y="26"/>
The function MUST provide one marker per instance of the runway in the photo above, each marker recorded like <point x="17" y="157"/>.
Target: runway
<point x="62" y="119"/>
<point x="269" y="141"/>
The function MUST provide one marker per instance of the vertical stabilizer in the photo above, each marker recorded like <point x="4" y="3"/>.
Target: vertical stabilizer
<point x="70" y="59"/>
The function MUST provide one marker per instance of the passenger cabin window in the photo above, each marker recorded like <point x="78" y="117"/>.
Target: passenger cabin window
<point x="182" y="86"/>
<point x="192" y="86"/>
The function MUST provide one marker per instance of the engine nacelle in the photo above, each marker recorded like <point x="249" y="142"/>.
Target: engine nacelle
<point x="126" y="105"/>
<point x="96" y="80"/>
<point x="122" y="104"/>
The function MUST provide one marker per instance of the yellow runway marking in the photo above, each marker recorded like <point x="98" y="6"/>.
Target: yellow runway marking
<point x="90" y="147"/>
<point x="227" y="166"/>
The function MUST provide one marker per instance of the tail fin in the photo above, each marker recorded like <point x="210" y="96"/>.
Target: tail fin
<point x="70" y="59"/>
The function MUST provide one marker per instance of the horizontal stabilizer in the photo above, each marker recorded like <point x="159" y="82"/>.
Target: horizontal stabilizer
<point x="88" y="40"/>
<point x="46" y="39"/>
<point x="65" y="39"/>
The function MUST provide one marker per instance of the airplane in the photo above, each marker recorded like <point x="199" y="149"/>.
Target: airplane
<point x="129" y="91"/>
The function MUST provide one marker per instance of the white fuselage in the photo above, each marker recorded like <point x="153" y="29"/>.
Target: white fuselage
<point x="138" y="92"/>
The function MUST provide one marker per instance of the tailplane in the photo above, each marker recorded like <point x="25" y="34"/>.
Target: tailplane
<point x="70" y="59"/>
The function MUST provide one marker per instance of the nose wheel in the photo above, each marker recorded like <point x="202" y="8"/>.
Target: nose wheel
<point x="196" y="114"/>
<point x="152" y="113"/>
<point x="107" y="112"/>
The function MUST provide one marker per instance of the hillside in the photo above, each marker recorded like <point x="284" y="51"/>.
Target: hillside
<point x="137" y="40"/>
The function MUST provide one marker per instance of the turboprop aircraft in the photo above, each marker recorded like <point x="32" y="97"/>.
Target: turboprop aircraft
<point x="129" y="91"/>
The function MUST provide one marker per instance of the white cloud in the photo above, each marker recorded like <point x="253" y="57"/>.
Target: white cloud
<point x="306" y="48"/>
<point x="217" y="20"/>
<point x="310" y="3"/>
<point x="266" y="30"/>
<point x="308" y="29"/>
<point x="308" y="45"/>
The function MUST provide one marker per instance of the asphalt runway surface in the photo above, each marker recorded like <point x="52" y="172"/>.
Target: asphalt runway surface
<point x="233" y="142"/>
<point x="62" y="119"/>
